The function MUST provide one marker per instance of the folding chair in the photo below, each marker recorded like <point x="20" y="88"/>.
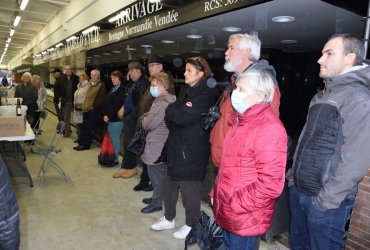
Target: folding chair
<point x="37" y="129"/>
<point x="48" y="152"/>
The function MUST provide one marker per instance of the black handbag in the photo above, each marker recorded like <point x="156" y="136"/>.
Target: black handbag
<point x="137" y="143"/>
<point x="206" y="233"/>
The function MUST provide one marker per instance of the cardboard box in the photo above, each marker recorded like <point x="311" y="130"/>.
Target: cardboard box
<point x="12" y="126"/>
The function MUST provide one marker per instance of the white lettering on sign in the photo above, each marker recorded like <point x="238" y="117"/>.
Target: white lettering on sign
<point x="215" y="4"/>
<point x="171" y="17"/>
<point x="137" y="11"/>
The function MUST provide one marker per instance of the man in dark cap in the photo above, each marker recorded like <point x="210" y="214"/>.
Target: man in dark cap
<point x="57" y="93"/>
<point x="136" y="88"/>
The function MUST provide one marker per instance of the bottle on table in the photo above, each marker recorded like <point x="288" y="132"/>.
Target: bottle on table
<point x="18" y="108"/>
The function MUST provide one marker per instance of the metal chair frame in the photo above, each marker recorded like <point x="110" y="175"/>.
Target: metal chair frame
<point x="49" y="152"/>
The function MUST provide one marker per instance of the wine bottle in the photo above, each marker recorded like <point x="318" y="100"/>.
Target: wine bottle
<point x="18" y="108"/>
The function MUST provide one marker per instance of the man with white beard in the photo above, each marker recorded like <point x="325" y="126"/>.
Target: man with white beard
<point x="243" y="54"/>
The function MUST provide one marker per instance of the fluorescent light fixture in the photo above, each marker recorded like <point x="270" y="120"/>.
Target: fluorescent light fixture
<point x="6" y="45"/>
<point x="38" y="55"/>
<point x="96" y="55"/>
<point x="130" y="48"/>
<point x="8" y="41"/>
<point x="288" y="41"/>
<point x="44" y="52"/>
<point x="118" y="16"/>
<point x="194" y="36"/>
<point x="16" y="21"/>
<point x="146" y="45"/>
<point x="168" y="41"/>
<point x="106" y="54"/>
<point x="5" y="49"/>
<point x="23" y="4"/>
<point x="51" y="49"/>
<point x="116" y="51"/>
<point x="71" y="38"/>
<point x="12" y="32"/>
<point x="58" y="45"/>
<point x="283" y="19"/>
<point x="88" y="30"/>
<point x="232" y="29"/>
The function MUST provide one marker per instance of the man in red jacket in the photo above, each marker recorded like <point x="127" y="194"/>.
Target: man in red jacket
<point x="243" y="54"/>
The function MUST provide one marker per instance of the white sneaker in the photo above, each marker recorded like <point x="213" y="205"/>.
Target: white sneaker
<point x="182" y="232"/>
<point x="163" y="223"/>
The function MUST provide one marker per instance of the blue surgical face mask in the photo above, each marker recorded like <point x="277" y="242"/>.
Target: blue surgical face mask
<point x="238" y="101"/>
<point x="154" y="91"/>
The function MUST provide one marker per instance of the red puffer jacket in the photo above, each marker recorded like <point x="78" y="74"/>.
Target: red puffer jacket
<point x="252" y="172"/>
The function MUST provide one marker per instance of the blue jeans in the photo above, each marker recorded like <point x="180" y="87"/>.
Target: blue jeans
<point x="315" y="229"/>
<point x="156" y="175"/>
<point x="236" y="242"/>
<point x="114" y="130"/>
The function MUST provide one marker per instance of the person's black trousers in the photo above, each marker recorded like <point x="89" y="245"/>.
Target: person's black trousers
<point x="91" y="120"/>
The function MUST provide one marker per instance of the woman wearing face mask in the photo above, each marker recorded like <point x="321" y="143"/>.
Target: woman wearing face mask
<point x="252" y="170"/>
<point x="188" y="147"/>
<point x="154" y="123"/>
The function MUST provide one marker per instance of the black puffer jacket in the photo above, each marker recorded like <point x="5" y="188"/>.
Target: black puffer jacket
<point x="188" y="147"/>
<point x="9" y="212"/>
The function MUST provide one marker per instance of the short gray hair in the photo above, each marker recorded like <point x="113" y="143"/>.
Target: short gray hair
<point x="96" y="71"/>
<point x="260" y="82"/>
<point x="247" y="41"/>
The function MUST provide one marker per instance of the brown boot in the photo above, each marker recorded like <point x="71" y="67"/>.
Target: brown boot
<point x="119" y="173"/>
<point x="129" y="173"/>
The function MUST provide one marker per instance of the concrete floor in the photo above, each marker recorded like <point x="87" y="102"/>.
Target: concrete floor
<point x="92" y="210"/>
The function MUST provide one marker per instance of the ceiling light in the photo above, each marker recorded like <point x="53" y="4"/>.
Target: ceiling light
<point x="130" y="48"/>
<point x="168" y="41"/>
<point x="194" y="36"/>
<point x="232" y="29"/>
<point x="44" y="52"/>
<point x="118" y="16"/>
<point x="116" y="51"/>
<point x="71" y="38"/>
<point x="283" y="19"/>
<point x="6" y="45"/>
<point x="23" y="4"/>
<point x="88" y="30"/>
<point x="146" y="45"/>
<point x="16" y="21"/>
<point x="12" y="32"/>
<point x="59" y="45"/>
<point x="8" y="41"/>
<point x="96" y="55"/>
<point x="288" y="41"/>
<point x="38" y="55"/>
<point x="5" y="49"/>
<point x="51" y="49"/>
<point x="106" y="54"/>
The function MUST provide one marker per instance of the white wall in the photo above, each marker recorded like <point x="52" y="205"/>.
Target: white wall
<point x="76" y="16"/>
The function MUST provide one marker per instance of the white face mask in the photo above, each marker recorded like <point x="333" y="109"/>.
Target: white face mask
<point x="238" y="101"/>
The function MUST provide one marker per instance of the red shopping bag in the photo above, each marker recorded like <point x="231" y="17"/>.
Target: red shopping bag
<point x="107" y="157"/>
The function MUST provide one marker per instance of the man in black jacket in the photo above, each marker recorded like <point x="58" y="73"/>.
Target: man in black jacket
<point x="57" y="73"/>
<point x="134" y="92"/>
<point x="69" y="82"/>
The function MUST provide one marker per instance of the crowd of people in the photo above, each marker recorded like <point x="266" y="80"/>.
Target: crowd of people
<point x="248" y="143"/>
